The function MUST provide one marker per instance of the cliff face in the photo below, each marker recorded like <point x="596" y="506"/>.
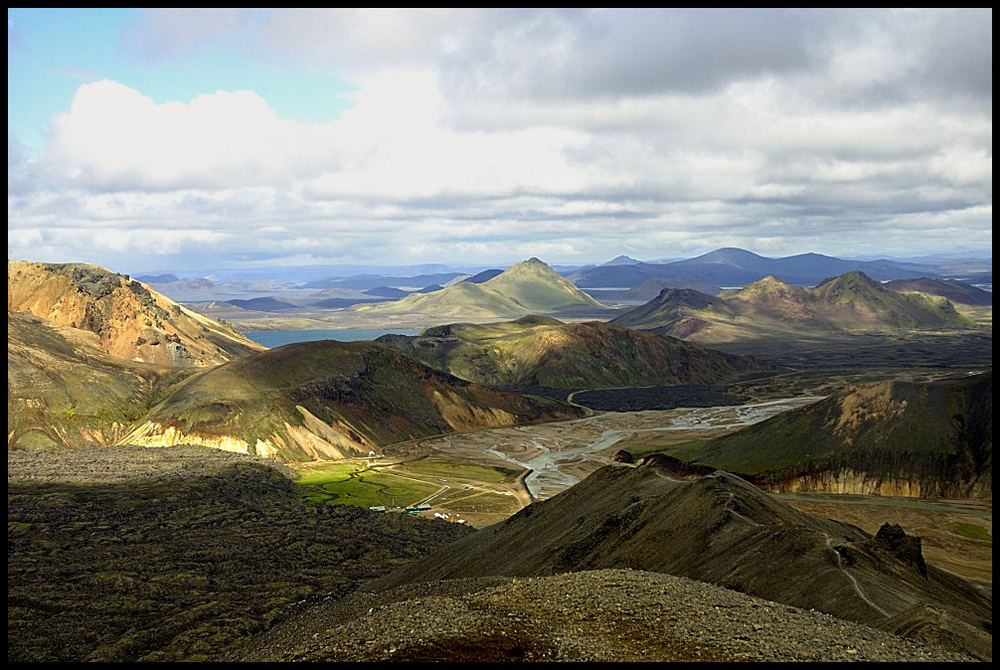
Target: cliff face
<point x="848" y="481"/>
<point x="890" y="438"/>
<point x="131" y="321"/>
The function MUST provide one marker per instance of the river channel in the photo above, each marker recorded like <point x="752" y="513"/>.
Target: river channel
<point x="557" y="454"/>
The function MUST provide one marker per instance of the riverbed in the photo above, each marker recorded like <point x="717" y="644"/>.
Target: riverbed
<point x="560" y="454"/>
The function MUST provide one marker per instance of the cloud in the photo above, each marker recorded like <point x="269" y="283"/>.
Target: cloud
<point x="580" y="133"/>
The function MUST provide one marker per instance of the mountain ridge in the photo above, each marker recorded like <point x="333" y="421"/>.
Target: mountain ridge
<point x="329" y="400"/>
<point x="850" y="301"/>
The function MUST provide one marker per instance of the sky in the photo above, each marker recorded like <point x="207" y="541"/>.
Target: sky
<point x="187" y="139"/>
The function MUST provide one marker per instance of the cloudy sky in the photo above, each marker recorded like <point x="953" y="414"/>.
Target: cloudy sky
<point x="194" y="139"/>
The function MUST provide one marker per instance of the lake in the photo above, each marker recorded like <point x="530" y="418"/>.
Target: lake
<point x="277" y="338"/>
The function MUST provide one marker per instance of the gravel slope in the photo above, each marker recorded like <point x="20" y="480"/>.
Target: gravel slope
<point x="601" y="615"/>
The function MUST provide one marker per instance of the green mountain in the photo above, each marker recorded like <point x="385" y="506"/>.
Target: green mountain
<point x="327" y="399"/>
<point x="542" y="351"/>
<point x="890" y="438"/>
<point x="852" y="301"/>
<point x="529" y="287"/>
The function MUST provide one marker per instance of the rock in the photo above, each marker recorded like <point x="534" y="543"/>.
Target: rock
<point x="622" y="456"/>
<point x="893" y="539"/>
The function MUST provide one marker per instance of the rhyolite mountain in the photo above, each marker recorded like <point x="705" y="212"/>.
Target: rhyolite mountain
<point x="852" y="301"/>
<point x="900" y="438"/>
<point x="328" y="400"/>
<point x="65" y="392"/>
<point x="720" y="529"/>
<point x="529" y="287"/>
<point x="543" y="351"/>
<point x="131" y="321"/>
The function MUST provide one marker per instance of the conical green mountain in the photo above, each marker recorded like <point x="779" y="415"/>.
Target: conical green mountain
<point x="327" y="400"/>
<point x="542" y="351"/>
<point x="529" y="287"/>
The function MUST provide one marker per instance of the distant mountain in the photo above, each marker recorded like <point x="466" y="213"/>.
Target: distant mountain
<point x="131" y="321"/>
<point x="899" y="438"/>
<point x="849" y="302"/>
<point x="266" y="304"/>
<point x="540" y="351"/>
<point x="956" y="291"/>
<point x="738" y="267"/>
<point x="651" y="287"/>
<point x="622" y="260"/>
<point x="157" y="279"/>
<point x="721" y="530"/>
<point x="728" y="267"/>
<point x="328" y="400"/>
<point x="368" y="281"/>
<point x="621" y="276"/>
<point x="529" y="287"/>
<point x="387" y="292"/>
<point x="483" y="276"/>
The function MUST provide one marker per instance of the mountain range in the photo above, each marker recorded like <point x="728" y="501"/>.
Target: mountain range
<point x="852" y="301"/>
<point x="737" y="267"/>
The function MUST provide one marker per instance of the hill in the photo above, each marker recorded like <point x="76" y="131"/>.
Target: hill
<point x="65" y="392"/>
<point x="852" y="301"/>
<point x="529" y="287"/>
<point x="890" y="438"/>
<point x="131" y="321"/>
<point x="327" y="400"/>
<point x="722" y="530"/>
<point x="955" y="291"/>
<point x="542" y="351"/>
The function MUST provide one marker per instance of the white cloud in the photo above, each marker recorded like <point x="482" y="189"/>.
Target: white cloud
<point x="494" y="132"/>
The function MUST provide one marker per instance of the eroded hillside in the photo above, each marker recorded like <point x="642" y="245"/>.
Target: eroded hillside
<point x="130" y="320"/>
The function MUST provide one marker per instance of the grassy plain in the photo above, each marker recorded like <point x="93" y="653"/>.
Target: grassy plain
<point x="480" y="494"/>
